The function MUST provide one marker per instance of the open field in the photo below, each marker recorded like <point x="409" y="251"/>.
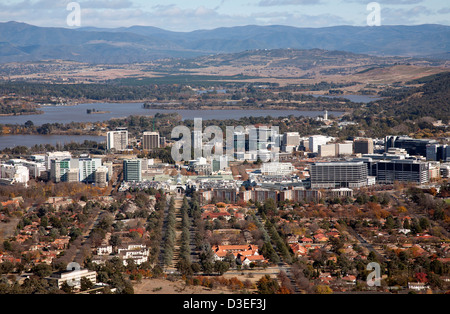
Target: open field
<point x="163" y="286"/>
<point x="7" y="229"/>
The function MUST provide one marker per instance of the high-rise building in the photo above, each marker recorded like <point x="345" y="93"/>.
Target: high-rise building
<point x="87" y="168"/>
<point x="150" y="140"/>
<point x="117" y="140"/>
<point x="59" y="169"/>
<point x="132" y="170"/>
<point x="338" y="174"/>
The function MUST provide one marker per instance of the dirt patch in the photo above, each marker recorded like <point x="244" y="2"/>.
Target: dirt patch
<point x="163" y="286"/>
<point x="7" y="228"/>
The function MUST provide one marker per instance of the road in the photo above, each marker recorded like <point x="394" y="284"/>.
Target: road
<point x="85" y="240"/>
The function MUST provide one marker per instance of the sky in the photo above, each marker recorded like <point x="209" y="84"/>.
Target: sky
<point x="189" y="15"/>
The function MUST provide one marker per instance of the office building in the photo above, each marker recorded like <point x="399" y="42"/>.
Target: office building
<point x="277" y="169"/>
<point x="445" y="171"/>
<point x="363" y="146"/>
<point x="335" y="149"/>
<point x="87" y="168"/>
<point x="59" y="169"/>
<point x="35" y="168"/>
<point x="290" y="141"/>
<point x="101" y="177"/>
<point x="110" y="167"/>
<point x="73" y="175"/>
<point x="220" y="163"/>
<point x="72" y="278"/>
<point x="316" y="140"/>
<point x="55" y="156"/>
<point x="338" y="174"/>
<point x="240" y="142"/>
<point x="405" y="170"/>
<point x="14" y="174"/>
<point x="414" y="147"/>
<point x="162" y="141"/>
<point x="344" y="149"/>
<point x="117" y="140"/>
<point x="132" y="170"/>
<point x="150" y="140"/>
<point x="328" y="150"/>
<point x="436" y="152"/>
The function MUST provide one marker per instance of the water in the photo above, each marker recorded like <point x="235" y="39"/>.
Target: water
<point x="10" y="141"/>
<point x="67" y="114"/>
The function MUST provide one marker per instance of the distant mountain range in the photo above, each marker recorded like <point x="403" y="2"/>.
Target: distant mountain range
<point x="23" y="42"/>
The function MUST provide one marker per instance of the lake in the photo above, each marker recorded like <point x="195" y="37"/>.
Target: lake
<point x="67" y="114"/>
<point x="9" y="141"/>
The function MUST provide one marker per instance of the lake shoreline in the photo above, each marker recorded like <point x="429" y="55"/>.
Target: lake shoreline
<point x="9" y="141"/>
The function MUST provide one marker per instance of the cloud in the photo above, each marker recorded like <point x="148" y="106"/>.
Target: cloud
<point x="218" y="13"/>
<point x="391" y="16"/>
<point x="268" y="3"/>
<point x="106" y="4"/>
<point x="444" y="10"/>
<point x="390" y="2"/>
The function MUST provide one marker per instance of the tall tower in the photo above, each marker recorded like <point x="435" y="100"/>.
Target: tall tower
<point x="325" y="116"/>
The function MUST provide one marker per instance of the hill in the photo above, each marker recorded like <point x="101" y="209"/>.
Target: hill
<point x="22" y="42"/>
<point x="281" y="66"/>
<point x="429" y="100"/>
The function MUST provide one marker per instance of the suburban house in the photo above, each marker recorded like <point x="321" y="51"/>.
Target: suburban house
<point x="243" y="254"/>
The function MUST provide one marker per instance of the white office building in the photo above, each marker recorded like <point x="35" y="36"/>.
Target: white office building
<point x="316" y="140"/>
<point x="73" y="278"/>
<point x="87" y="168"/>
<point x="277" y="169"/>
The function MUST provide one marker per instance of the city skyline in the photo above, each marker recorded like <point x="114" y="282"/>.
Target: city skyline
<point x="185" y="16"/>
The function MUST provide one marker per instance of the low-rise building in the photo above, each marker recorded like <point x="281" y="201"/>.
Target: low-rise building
<point x="72" y="278"/>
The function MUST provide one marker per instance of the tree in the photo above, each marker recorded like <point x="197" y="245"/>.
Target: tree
<point x="42" y="270"/>
<point x="86" y="284"/>
<point x="29" y="124"/>
<point x="267" y="285"/>
<point x="269" y="207"/>
<point x="221" y="267"/>
<point x="323" y="289"/>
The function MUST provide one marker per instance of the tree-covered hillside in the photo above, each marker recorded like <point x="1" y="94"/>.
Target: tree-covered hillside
<point x="429" y="100"/>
